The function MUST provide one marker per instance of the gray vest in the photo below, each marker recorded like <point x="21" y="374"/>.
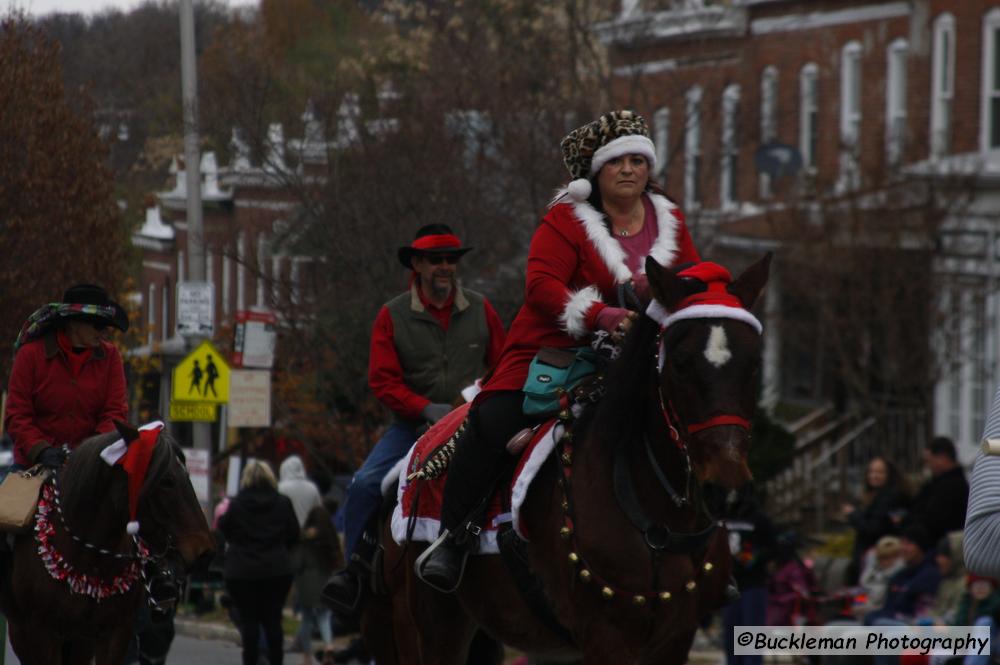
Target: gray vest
<point x="436" y="363"/>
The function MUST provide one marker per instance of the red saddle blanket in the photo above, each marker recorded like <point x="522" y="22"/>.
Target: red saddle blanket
<point x="419" y="500"/>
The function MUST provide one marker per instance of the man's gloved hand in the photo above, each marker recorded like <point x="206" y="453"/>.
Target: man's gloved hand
<point x="52" y="457"/>
<point x="434" y="412"/>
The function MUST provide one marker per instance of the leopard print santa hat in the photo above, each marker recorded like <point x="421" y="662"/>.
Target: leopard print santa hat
<point x="586" y="149"/>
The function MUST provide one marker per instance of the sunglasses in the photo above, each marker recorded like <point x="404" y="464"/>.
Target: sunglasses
<point x="441" y="258"/>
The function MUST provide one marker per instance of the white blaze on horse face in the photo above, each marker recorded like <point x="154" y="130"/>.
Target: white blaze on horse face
<point x="717" y="350"/>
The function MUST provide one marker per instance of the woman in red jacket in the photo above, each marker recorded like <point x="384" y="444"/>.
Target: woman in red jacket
<point x="68" y="382"/>
<point x="595" y="237"/>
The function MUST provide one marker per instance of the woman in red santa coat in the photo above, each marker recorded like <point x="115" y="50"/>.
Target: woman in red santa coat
<point x="596" y="236"/>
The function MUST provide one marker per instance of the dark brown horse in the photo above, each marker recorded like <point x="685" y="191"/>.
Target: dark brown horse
<point x="628" y="556"/>
<point x="88" y="614"/>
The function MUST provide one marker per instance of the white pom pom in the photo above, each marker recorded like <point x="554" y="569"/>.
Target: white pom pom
<point x="579" y="189"/>
<point x="132" y="528"/>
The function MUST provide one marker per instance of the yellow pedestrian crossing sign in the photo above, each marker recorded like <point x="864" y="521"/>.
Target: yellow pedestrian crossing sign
<point x="203" y="376"/>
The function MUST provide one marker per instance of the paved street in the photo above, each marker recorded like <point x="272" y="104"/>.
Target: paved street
<point x="195" y="651"/>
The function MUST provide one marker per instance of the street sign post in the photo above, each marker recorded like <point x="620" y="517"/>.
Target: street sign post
<point x="195" y="309"/>
<point x="203" y="376"/>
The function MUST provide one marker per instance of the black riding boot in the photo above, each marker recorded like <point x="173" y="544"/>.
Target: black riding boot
<point x="480" y="460"/>
<point x="345" y="593"/>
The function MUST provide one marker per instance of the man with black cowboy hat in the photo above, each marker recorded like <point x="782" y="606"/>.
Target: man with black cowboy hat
<point x="68" y="382"/>
<point x="427" y="345"/>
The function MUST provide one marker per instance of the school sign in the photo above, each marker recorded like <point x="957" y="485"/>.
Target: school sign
<point x="200" y="382"/>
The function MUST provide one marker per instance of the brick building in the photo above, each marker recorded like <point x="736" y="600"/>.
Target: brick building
<point x="868" y="94"/>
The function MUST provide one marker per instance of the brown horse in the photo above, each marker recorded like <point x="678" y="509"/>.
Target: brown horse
<point x="629" y="558"/>
<point x="88" y="614"/>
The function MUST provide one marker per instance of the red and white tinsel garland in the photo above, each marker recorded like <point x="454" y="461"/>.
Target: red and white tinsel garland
<point x="87" y="585"/>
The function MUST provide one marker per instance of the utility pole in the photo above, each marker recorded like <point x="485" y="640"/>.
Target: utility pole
<point x="192" y="166"/>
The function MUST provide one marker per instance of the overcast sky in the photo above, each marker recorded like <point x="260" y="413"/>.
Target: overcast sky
<point x="41" y="7"/>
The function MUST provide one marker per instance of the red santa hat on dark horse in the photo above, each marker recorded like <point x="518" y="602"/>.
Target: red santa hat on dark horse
<point x="134" y="456"/>
<point x="586" y="149"/>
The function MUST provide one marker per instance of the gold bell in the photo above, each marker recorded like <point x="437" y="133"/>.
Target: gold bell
<point x="607" y="593"/>
<point x="567" y="436"/>
<point x="708" y="566"/>
<point x="559" y="390"/>
<point x="690" y="586"/>
<point x="564" y="414"/>
<point x="573" y="558"/>
<point x="565" y="504"/>
<point x="585" y="575"/>
<point x="665" y="596"/>
<point x="638" y="601"/>
<point x="567" y="458"/>
<point x="565" y="532"/>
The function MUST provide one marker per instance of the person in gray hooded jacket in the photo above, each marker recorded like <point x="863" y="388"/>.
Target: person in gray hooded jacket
<point x="301" y="491"/>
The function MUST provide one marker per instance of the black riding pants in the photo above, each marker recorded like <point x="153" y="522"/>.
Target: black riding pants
<point x="481" y="457"/>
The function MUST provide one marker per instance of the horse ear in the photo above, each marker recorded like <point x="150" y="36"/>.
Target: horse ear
<point x="128" y="432"/>
<point x="748" y="285"/>
<point x="666" y="287"/>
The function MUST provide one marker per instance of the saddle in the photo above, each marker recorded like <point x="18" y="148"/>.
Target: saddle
<point x="422" y="476"/>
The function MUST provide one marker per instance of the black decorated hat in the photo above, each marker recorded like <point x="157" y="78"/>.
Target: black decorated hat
<point x="432" y="239"/>
<point x="108" y="311"/>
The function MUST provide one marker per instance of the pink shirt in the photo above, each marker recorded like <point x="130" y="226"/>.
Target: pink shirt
<point x="637" y="246"/>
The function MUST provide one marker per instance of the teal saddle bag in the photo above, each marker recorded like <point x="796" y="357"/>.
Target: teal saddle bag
<point x="554" y="372"/>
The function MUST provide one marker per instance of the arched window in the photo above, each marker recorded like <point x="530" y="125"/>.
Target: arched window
<point x="692" y="149"/>
<point x="809" y="114"/>
<point x="850" y="115"/>
<point x="895" y="100"/>
<point x="768" y="119"/>
<point x="990" y="121"/>
<point x="730" y="147"/>
<point x="942" y="84"/>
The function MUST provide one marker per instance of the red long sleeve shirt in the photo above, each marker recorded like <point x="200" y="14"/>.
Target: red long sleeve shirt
<point x="385" y="373"/>
<point x="48" y="405"/>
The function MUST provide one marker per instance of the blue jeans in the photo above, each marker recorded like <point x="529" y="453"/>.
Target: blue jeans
<point x="749" y="610"/>
<point x="365" y="492"/>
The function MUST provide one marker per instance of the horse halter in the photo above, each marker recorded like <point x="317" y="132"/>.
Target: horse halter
<point x="658" y="313"/>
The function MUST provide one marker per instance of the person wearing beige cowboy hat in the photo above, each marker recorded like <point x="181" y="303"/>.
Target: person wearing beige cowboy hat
<point x="595" y="238"/>
<point x="68" y="381"/>
<point x="427" y="344"/>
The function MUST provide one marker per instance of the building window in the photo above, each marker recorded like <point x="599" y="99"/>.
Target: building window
<point x="262" y="255"/>
<point x="942" y="84"/>
<point x="226" y="283"/>
<point x="730" y="146"/>
<point x="990" y="122"/>
<point x="165" y="314"/>
<point x="150" y="314"/>
<point x="850" y="115"/>
<point x="768" y="119"/>
<point x="692" y="149"/>
<point x="895" y="100"/>
<point x="276" y="279"/>
<point x="661" y="142"/>
<point x="241" y="272"/>
<point x="808" y="114"/>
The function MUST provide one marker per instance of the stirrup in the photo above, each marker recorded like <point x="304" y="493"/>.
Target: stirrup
<point x="422" y="560"/>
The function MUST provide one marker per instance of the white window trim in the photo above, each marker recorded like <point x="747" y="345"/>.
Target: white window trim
<point x="850" y="118"/>
<point x="895" y="100"/>
<point x="768" y="120"/>
<point x="661" y="139"/>
<point x="940" y="125"/>
<point x="806" y="106"/>
<point x="850" y="121"/>
<point x="991" y="21"/>
<point x="730" y="119"/>
<point x="263" y="252"/>
<point x="692" y="146"/>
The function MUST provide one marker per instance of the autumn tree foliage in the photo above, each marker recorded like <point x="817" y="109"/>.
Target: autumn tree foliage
<point x="59" y="224"/>
<point x="433" y="112"/>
